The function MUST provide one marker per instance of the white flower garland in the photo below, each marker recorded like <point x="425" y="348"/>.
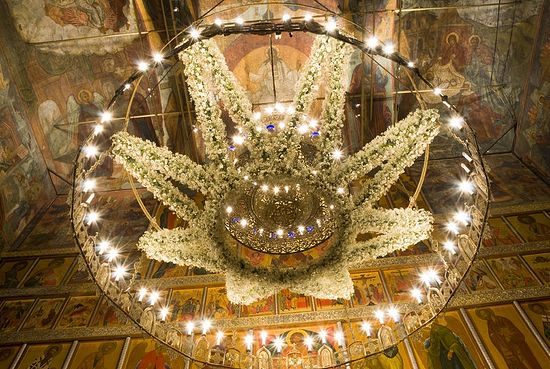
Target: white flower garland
<point x="203" y="242"/>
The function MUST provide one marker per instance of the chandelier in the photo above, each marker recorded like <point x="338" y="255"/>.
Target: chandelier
<point x="282" y="184"/>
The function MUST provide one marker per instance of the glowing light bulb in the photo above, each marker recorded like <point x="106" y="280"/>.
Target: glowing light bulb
<point x="276" y="190"/>
<point x="290" y="109"/>
<point x="127" y="86"/>
<point x="280" y="232"/>
<point x="339" y="337"/>
<point x="372" y="42"/>
<point x="218" y="22"/>
<point x="287" y="189"/>
<point x="265" y="188"/>
<point x="142" y="293"/>
<point x="303" y="128"/>
<point x="429" y="276"/>
<point x="98" y="128"/>
<point x="257" y="115"/>
<point x="438" y="91"/>
<point x="393" y="313"/>
<point x="452" y="227"/>
<point x="388" y="48"/>
<point x="219" y="337"/>
<point x="379" y="314"/>
<point x="88" y="184"/>
<point x="239" y="21"/>
<point x="279" y="107"/>
<point x="142" y="66"/>
<point x="119" y="272"/>
<point x="206" y="325"/>
<point x="466" y="187"/>
<point x="263" y="336"/>
<point x="269" y="110"/>
<point x="308" y="341"/>
<point x="340" y="191"/>
<point x="450" y="246"/>
<point x="153" y="297"/>
<point x="286" y="18"/>
<point x="462" y="217"/>
<point x="367" y="328"/>
<point x="282" y="125"/>
<point x="330" y="26"/>
<point x="195" y="33"/>
<point x="248" y="341"/>
<point x="103" y="246"/>
<point x="158" y="58"/>
<point x="323" y="335"/>
<point x="308" y="17"/>
<point x="112" y="254"/>
<point x="313" y="123"/>
<point x="106" y="116"/>
<point x="238" y="139"/>
<point x="92" y="217"/>
<point x="278" y="342"/>
<point x="337" y="154"/>
<point x="244" y="222"/>
<point x="90" y="151"/>
<point x="410" y="64"/>
<point x="164" y="313"/>
<point x="189" y="328"/>
<point x="456" y="122"/>
<point x="417" y="294"/>
<point x="301" y="229"/>
<point x="229" y="209"/>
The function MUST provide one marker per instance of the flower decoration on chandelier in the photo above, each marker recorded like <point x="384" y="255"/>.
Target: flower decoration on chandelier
<point x="281" y="183"/>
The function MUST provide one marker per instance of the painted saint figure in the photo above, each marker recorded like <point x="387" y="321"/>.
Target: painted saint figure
<point x="446" y="350"/>
<point x="509" y="341"/>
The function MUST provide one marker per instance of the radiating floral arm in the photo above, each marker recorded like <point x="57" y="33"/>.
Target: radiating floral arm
<point x="392" y="152"/>
<point x="332" y="120"/>
<point x="158" y="185"/>
<point x="392" y="229"/>
<point x="172" y="165"/>
<point x="206" y="107"/>
<point x="183" y="246"/>
<point x="334" y="282"/>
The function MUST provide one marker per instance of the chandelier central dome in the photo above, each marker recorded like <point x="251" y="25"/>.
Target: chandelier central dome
<point x="280" y="216"/>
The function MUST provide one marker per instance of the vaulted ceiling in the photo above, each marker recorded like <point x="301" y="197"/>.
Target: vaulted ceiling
<point x="60" y="63"/>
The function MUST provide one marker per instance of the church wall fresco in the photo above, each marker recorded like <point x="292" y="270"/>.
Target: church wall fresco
<point x="539" y="314"/>
<point x="532" y="138"/>
<point x="44" y="356"/>
<point x="7" y="355"/>
<point x="507" y="338"/>
<point x="25" y="186"/>
<point x="97" y="355"/>
<point x="448" y="343"/>
<point x="454" y="49"/>
<point x="540" y="264"/>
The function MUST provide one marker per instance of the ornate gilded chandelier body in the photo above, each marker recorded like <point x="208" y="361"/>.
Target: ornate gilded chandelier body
<point x="281" y="184"/>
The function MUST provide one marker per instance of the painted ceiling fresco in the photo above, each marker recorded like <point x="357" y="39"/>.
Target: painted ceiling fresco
<point x="492" y="61"/>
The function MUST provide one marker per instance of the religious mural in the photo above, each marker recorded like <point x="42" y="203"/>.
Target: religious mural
<point x="260" y="307"/>
<point x="507" y="338"/>
<point x="7" y="355"/>
<point x="480" y="278"/>
<point x="499" y="233"/>
<point x="78" y="311"/>
<point x="447" y="344"/>
<point x="148" y="354"/>
<point x="44" y="314"/>
<point x="400" y="282"/>
<point x="44" y="356"/>
<point x="512" y="273"/>
<point x="290" y="302"/>
<point x="13" y="312"/>
<point x="107" y="315"/>
<point x="48" y="272"/>
<point x="217" y="306"/>
<point x="368" y="289"/>
<point x="186" y="304"/>
<point x="539" y="314"/>
<point x="540" y="264"/>
<point x="531" y="227"/>
<point x="533" y="136"/>
<point x="96" y="355"/>
<point x="13" y="271"/>
<point x="25" y="186"/>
